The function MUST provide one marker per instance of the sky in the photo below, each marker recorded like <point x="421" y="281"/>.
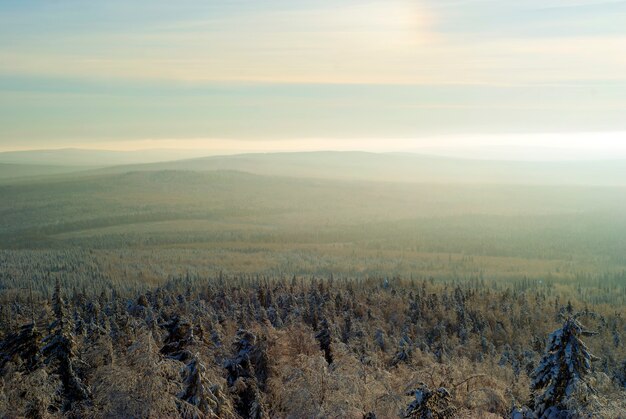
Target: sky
<point x="249" y="75"/>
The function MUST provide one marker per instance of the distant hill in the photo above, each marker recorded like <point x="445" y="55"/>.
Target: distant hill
<point x="401" y="167"/>
<point x="94" y="158"/>
<point x="14" y="171"/>
<point x="349" y="165"/>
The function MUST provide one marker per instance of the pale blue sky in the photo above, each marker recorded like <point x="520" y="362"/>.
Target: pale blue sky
<point x="128" y="74"/>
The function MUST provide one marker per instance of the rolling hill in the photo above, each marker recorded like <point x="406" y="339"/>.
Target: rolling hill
<point x="94" y="158"/>
<point x="169" y="207"/>
<point x="9" y="171"/>
<point x="348" y="165"/>
<point x="401" y="167"/>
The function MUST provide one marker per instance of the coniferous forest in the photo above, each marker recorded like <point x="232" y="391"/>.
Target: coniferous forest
<point x="220" y="294"/>
<point x="256" y="347"/>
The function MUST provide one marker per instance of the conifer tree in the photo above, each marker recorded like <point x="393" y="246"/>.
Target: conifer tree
<point x="23" y="344"/>
<point x="324" y="339"/>
<point x="429" y="404"/>
<point x="246" y="374"/>
<point x="562" y="369"/>
<point x="198" y="392"/>
<point x="59" y="352"/>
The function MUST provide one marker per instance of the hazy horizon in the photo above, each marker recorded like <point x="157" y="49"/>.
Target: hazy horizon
<point x="537" y="147"/>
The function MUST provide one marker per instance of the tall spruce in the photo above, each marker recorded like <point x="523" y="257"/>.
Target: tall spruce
<point x="60" y="355"/>
<point x="562" y="369"/>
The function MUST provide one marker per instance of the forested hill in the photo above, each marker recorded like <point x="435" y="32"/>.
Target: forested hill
<point x="402" y="167"/>
<point x="388" y="167"/>
<point x="92" y="158"/>
<point x="11" y="171"/>
<point x="311" y="210"/>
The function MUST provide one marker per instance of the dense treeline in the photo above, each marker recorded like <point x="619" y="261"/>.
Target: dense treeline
<point x="538" y="237"/>
<point x="498" y="220"/>
<point x="306" y="347"/>
<point x="133" y="270"/>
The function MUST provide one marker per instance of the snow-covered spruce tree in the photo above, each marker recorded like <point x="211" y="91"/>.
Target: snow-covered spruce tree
<point x="404" y="352"/>
<point x="562" y="369"/>
<point x="59" y="352"/>
<point x="246" y="374"/>
<point x="207" y="400"/>
<point x="324" y="339"/>
<point x="430" y="404"/>
<point x="181" y="335"/>
<point x="21" y="346"/>
<point x="620" y="375"/>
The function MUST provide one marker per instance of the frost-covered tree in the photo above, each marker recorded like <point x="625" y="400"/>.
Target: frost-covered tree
<point x="60" y="352"/>
<point x="405" y="349"/>
<point x="247" y="372"/>
<point x="430" y="404"/>
<point x="208" y="400"/>
<point x="324" y="339"/>
<point x="24" y="344"/>
<point x="562" y="369"/>
<point x="620" y="375"/>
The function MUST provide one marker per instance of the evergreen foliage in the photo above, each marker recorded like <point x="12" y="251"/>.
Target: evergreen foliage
<point x="563" y="368"/>
<point x="162" y="352"/>
<point x="430" y="404"/>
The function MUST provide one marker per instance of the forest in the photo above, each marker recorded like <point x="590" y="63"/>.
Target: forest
<point x="313" y="209"/>
<point x="154" y="291"/>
